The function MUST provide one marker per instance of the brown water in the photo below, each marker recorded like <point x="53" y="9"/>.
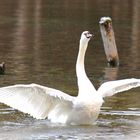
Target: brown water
<point x="39" y="44"/>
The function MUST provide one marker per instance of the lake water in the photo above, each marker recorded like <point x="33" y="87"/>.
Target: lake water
<point x="39" y="44"/>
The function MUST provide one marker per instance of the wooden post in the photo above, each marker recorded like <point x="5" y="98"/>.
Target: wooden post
<point x="109" y="41"/>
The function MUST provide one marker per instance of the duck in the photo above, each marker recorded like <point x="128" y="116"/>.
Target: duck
<point x="42" y="102"/>
<point x="2" y="68"/>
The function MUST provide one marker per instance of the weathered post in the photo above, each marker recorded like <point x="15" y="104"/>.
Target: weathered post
<point x="109" y="41"/>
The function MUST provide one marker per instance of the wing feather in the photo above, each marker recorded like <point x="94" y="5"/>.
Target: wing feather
<point x="112" y="87"/>
<point x="33" y="99"/>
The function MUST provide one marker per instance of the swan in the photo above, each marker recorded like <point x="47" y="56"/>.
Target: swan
<point x="43" y="102"/>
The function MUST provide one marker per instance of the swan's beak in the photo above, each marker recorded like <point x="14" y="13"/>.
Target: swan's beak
<point x="89" y="35"/>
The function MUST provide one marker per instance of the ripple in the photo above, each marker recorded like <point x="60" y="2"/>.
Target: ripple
<point x="129" y="112"/>
<point x="7" y="111"/>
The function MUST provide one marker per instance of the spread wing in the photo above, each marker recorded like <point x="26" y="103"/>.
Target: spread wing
<point x="112" y="87"/>
<point x="34" y="99"/>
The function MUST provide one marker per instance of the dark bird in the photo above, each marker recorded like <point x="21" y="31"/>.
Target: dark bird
<point x="2" y="68"/>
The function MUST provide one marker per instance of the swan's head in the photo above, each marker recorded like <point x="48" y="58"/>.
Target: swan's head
<point x="85" y="37"/>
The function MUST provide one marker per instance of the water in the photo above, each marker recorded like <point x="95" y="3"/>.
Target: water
<point x="39" y="44"/>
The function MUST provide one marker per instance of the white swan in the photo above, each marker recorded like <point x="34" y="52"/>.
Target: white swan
<point x="43" y="102"/>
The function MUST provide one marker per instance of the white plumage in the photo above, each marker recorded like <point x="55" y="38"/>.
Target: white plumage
<point x="42" y="102"/>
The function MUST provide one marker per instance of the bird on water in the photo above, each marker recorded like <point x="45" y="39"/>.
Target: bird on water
<point x="43" y="102"/>
<point x="2" y="68"/>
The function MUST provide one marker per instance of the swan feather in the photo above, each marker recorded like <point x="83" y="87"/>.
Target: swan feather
<point x="34" y="99"/>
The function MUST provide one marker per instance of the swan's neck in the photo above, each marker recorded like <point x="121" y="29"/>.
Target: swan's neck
<point x="80" y="67"/>
<point x="84" y="83"/>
